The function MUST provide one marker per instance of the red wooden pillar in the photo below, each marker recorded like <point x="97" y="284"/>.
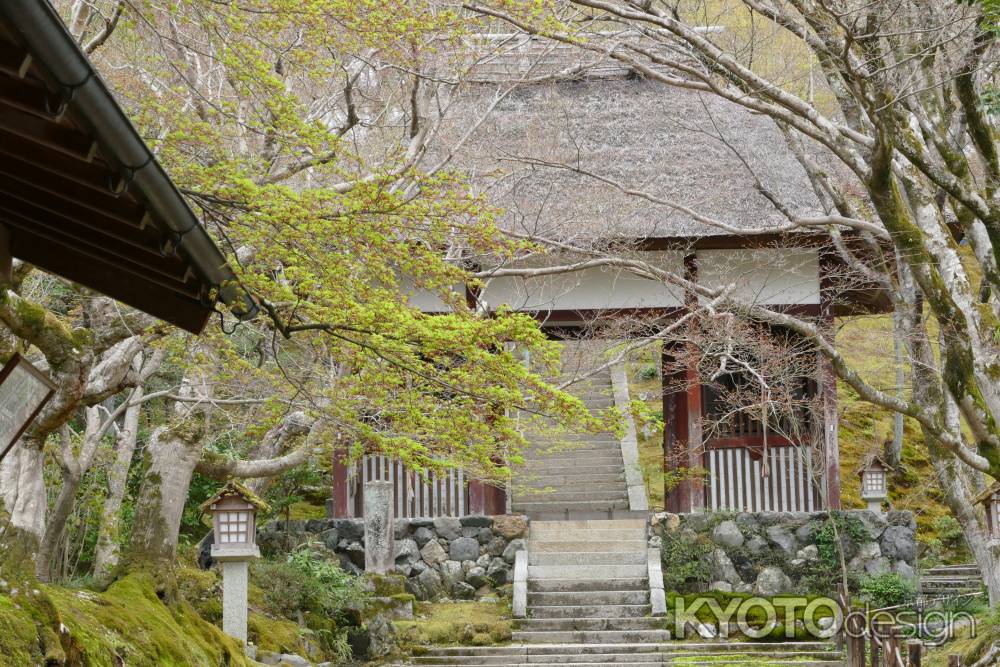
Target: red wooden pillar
<point x="477" y="497"/>
<point x="341" y="510"/>
<point x="695" y="458"/>
<point x="682" y="415"/>
<point x="675" y="498"/>
<point x="828" y="388"/>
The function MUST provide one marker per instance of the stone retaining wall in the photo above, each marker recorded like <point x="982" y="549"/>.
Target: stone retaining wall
<point x="461" y="558"/>
<point x="770" y="553"/>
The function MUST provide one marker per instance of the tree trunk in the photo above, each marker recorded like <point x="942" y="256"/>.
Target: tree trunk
<point x="22" y="488"/>
<point x="895" y="453"/>
<point x="55" y="532"/>
<point x="173" y="453"/>
<point x="107" y="549"/>
<point x="956" y="495"/>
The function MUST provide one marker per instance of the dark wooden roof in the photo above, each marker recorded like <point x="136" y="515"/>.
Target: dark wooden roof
<point x="80" y="193"/>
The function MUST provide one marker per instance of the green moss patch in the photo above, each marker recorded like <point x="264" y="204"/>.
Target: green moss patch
<point x="128" y="623"/>
<point x="456" y="623"/>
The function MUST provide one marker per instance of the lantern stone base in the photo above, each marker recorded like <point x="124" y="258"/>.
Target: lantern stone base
<point x="234" y="598"/>
<point x="874" y="504"/>
<point x="234" y="553"/>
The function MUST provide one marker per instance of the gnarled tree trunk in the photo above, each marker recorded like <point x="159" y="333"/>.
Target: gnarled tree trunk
<point x="107" y="549"/>
<point x="173" y="454"/>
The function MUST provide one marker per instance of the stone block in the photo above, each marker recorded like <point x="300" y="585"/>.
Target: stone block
<point x="433" y="553"/>
<point x="899" y="543"/>
<point x="423" y="535"/>
<point x="407" y="552"/>
<point x="512" y="549"/>
<point x="448" y="527"/>
<point x="464" y="548"/>
<point x="510" y="526"/>
<point x="772" y="581"/>
<point x="782" y="539"/>
<point x="477" y="521"/>
<point x="727" y="535"/>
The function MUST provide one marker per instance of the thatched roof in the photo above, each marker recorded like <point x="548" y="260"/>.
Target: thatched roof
<point x="239" y="490"/>
<point x="644" y="135"/>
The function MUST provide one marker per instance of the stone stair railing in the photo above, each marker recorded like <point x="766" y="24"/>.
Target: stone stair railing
<point x="637" y="500"/>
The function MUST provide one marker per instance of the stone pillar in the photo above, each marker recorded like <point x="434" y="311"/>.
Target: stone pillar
<point x="379" y="539"/>
<point x="234" y="598"/>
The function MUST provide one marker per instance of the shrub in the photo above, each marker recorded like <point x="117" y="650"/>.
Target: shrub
<point x="948" y="530"/>
<point x="306" y="581"/>
<point x="848" y="528"/>
<point x="685" y="561"/>
<point x="308" y="584"/>
<point x="887" y="590"/>
<point x="648" y="372"/>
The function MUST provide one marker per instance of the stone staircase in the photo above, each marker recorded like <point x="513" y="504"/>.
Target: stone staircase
<point x="716" y="654"/>
<point x="588" y="584"/>
<point x="945" y="580"/>
<point x="588" y="588"/>
<point x="575" y="476"/>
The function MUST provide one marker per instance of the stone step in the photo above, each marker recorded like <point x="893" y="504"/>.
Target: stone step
<point x="596" y="506"/>
<point x="685" y="647"/>
<point x="579" y="585"/>
<point x="577" y="470"/>
<point x="602" y="458"/>
<point x="594" y="495"/>
<point x="568" y="514"/>
<point x="576" y="438"/>
<point x="586" y="557"/>
<point x="541" y="661"/>
<point x="562" y="546"/>
<point x="573" y="660"/>
<point x="542" y="451"/>
<point x="630" y="522"/>
<point x="533" y="486"/>
<point x="566" y="477"/>
<point x="758" y="661"/>
<point x="569" y="624"/>
<point x="967" y="569"/>
<point x="591" y="611"/>
<point x="755" y="655"/>
<point x="586" y="534"/>
<point x="590" y="636"/>
<point x="587" y="598"/>
<point x="586" y="571"/>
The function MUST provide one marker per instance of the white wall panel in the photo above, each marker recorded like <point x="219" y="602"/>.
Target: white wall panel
<point x="763" y="275"/>
<point x="593" y="288"/>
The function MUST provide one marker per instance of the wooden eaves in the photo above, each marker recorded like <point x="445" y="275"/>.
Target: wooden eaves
<point x="82" y="196"/>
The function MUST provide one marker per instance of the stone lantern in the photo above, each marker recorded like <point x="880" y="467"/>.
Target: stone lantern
<point x="234" y="525"/>
<point x="874" y="484"/>
<point x="990" y="499"/>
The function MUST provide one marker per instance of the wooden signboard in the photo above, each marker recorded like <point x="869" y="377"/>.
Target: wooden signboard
<point x="24" y="390"/>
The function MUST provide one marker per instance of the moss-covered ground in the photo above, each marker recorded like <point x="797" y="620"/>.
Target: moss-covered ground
<point x="126" y="624"/>
<point x="455" y="623"/>
<point x="971" y="646"/>
<point x="137" y="621"/>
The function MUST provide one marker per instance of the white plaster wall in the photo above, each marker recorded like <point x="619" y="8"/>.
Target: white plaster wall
<point x="763" y="275"/>
<point x="597" y="287"/>
<point x="759" y="275"/>
<point x="425" y="300"/>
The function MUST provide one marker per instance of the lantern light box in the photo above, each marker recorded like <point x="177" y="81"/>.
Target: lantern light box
<point x="874" y="484"/>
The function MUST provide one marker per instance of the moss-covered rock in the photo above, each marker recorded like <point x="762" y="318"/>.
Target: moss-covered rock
<point x="127" y="623"/>
<point x="450" y="624"/>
